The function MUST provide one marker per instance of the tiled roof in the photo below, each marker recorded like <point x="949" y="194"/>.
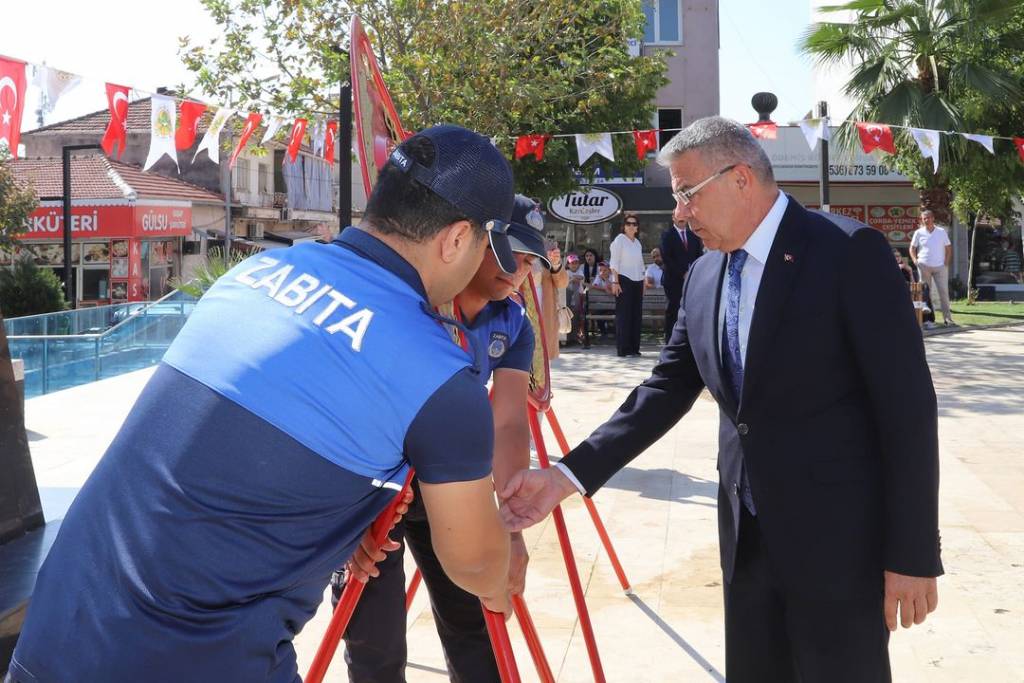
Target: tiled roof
<point x="97" y="177"/>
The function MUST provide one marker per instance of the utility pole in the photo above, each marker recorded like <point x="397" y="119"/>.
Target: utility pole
<point x="823" y="170"/>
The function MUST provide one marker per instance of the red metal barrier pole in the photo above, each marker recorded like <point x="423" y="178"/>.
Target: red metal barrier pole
<point x="570" y="560"/>
<point x="410" y="594"/>
<point x="350" y="596"/>
<point x="532" y="639"/>
<point x="502" y="646"/>
<point x="606" y="541"/>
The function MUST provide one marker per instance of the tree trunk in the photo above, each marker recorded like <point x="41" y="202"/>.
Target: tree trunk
<point x="970" y="264"/>
<point x="938" y="200"/>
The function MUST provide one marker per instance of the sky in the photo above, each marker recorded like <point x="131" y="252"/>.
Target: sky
<point x="131" y="43"/>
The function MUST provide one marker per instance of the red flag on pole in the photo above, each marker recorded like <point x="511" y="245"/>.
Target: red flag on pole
<point x="531" y="144"/>
<point x="12" y="102"/>
<point x="1019" y="144"/>
<point x="188" y="124"/>
<point x="295" y="139"/>
<point x="765" y="130"/>
<point x="876" y="136"/>
<point x="329" y="137"/>
<point x="252" y="122"/>
<point x="646" y="141"/>
<point x="117" y="129"/>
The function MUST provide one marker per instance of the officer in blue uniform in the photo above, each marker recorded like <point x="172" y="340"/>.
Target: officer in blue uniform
<point x="376" y="637"/>
<point x="278" y="426"/>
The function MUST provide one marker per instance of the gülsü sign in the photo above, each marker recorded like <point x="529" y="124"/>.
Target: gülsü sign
<point x="594" y="206"/>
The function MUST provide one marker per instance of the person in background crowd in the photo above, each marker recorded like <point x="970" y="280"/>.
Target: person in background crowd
<point x="627" y="266"/>
<point x="653" y="273"/>
<point x="551" y="284"/>
<point x="932" y="252"/>
<point x="574" y="294"/>
<point x="591" y="270"/>
<point x="603" y="279"/>
<point x="1012" y="259"/>
<point x="680" y="247"/>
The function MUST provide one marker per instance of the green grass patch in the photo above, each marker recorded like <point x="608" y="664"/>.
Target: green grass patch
<point x="986" y="312"/>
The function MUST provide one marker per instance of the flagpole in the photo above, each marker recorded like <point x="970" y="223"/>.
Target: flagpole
<point x="823" y="170"/>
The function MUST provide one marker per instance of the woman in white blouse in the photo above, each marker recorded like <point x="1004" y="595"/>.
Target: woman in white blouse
<point x="627" y="266"/>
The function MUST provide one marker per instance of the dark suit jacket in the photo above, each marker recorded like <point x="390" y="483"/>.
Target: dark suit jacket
<point x="677" y="259"/>
<point x="837" y="421"/>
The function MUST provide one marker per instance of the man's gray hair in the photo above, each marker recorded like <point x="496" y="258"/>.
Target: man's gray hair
<point x="721" y="142"/>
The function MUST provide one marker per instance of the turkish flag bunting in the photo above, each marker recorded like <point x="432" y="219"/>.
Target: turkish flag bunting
<point x="531" y="144"/>
<point x="188" y="124"/>
<point x="1019" y="144"/>
<point x="252" y="122"/>
<point x="876" y="136"/>
<point x="646" y="141"/>
<point x="12" y="103"/>
<point x="765" y="130"/>
<point x="329" y="137"/>
<point x="295" y="138"/>
<point x="117" y="129"/>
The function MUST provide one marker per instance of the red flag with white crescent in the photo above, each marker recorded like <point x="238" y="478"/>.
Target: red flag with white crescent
<point x="1019" y="144"/>
<point x="876" y="136"/>
<point x="188" y="124"/>
<point x="12" y="102"/>
<point x="646" y="141"/>
<point x="764" y="130"/>
<point x="329" y="137"/>
<point x="295" y="138"/>
<point x="252" y="122"/>
<point x="532" y="144"/>
<point x="117" y="129"/>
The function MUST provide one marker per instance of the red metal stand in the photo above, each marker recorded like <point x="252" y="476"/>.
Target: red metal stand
<point x="350" y="596"/>
<point x="532" y="640"/>
<point x="502" y="646"/>
<point x="591" y="508"/>
<point x="570" y="560"/>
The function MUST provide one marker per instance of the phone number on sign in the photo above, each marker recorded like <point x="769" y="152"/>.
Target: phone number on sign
<point x="859" y="170"/>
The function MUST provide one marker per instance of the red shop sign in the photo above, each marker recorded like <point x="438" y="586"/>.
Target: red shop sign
<point x="898" y="222"/>
<point x="90" y="222"/>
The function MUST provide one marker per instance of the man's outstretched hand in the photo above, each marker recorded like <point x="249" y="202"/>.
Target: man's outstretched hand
<point x="531" y="495"/>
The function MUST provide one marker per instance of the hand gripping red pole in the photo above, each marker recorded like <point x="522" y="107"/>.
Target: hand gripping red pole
<point x="353" y="591"/>
<point x="591" y="508"/>
<point x="570" y="560"/>
<point x="502" y="646"/>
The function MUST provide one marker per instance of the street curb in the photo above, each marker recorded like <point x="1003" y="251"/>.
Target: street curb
<point x="968" y="328"/>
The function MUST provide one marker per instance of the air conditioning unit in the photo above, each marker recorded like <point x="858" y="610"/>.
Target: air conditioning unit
<point x="255" y="231"/>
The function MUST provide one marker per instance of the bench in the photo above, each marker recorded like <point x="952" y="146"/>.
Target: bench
<point x="600" y="306"/>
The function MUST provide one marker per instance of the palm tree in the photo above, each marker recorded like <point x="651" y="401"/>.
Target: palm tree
<point x="916" y="63"/>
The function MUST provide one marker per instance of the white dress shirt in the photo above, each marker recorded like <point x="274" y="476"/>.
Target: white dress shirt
<point x="627" y="258"/>
<point x="757" y="246"/>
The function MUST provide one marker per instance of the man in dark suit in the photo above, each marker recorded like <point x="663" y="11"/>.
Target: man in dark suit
<point x="680" y="247"/>
<point x="802" y="328"/>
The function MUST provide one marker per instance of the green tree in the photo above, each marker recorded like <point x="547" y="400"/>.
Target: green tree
<point x="16" y="203"/>
<point x="503" y="67"/>
<point x="27" y="289"/>
<point x="949" y="65"/>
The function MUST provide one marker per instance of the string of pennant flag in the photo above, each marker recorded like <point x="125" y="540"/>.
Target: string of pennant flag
<point x="174" y="124"/>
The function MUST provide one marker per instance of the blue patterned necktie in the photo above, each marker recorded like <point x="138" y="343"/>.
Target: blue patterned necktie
<point x="732" y="361"/>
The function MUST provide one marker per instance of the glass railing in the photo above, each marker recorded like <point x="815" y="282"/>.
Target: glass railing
<point x="110" y="342"/>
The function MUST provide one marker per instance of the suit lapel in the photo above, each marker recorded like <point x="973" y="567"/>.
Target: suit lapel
<point x="785" y="260"/>
<point x="703" y="323"/>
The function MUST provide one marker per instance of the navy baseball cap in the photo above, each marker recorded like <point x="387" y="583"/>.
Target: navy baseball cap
<point x="526" y="231"/>
<point x="473" y="175"/>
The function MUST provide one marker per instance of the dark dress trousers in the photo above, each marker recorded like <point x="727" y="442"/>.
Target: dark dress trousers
<point x="676" y="260"/>
<point x="837" y="428"/>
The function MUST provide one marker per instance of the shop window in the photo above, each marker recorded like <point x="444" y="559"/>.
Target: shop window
<point x="669" y="123"/>
<point x="95" y="284"/>
<point x="664" y="21"/>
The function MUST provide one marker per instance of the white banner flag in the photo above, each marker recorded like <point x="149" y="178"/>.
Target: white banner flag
<point x="983" y="140"/>
<point x="274" y="124"/>
<point x="318" y="136"/>
<point x="161" y="131"/>
<point x="814" y="130"/>
<point x="55" y="84"/>
<point x="589" y="144"/>
<point x="211" y="141"/>
<point x="928" y="142"/>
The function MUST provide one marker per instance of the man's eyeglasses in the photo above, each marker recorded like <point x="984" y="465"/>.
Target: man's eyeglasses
<point x="686" y="196"/>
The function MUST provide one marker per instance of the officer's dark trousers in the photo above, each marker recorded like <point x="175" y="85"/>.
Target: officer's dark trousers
<point x="629" y="308"/>
<point x="773" y="638"/>
<point x="375" y="647"/>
